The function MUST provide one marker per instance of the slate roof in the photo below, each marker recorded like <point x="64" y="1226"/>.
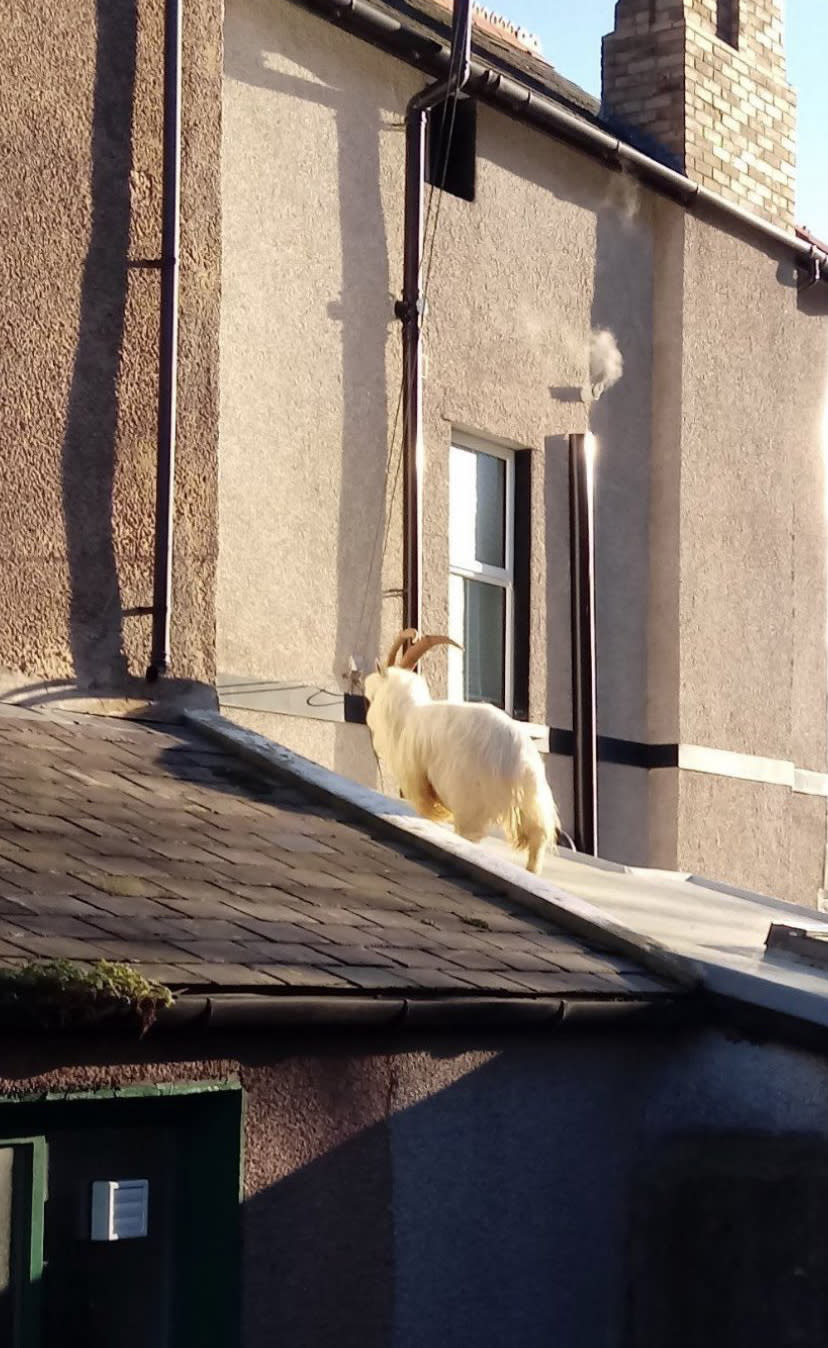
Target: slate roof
<point x="428" y="17"/>
<point x="133" y="842"/>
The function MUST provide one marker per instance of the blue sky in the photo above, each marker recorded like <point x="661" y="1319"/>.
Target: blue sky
<point x="571" y="36"/>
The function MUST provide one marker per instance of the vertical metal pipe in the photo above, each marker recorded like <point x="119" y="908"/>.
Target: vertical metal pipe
<point x="410" y="309"/>
<point x="168" y="343"/>
<point x="412" y="416"/>
<point x="461" y="36"/>
<point x="584" y="667"/>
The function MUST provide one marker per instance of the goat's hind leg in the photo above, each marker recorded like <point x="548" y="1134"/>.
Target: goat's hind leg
<point x="424" y="798"/>
<point x="537" y="852"/>
<point x="468" y="828"/>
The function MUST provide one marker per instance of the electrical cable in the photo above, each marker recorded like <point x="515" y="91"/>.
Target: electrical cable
<point x="452" y="96"/>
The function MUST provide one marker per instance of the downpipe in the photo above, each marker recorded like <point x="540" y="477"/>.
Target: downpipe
<point x="168" y="345"/>
<point x="584" y="660"/>
<point x="410" y="309"/>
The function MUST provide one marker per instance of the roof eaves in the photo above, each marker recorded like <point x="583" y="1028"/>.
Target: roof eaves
<point x="514" y="93"/>
<point x="228" y="1011"/>
<point x="499" y="51"/>
<point x="812" y="239"/>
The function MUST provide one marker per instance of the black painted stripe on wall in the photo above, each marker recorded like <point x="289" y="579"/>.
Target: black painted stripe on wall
<point x="624" y="753"/>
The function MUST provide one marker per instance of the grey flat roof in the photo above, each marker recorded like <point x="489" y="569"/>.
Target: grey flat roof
<point x="718" y="929"/>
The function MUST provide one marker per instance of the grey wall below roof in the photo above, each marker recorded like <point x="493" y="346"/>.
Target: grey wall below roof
<point x="466" y="1191"/>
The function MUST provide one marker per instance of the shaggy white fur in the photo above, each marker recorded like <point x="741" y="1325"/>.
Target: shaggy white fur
<point x="469" y="761"/>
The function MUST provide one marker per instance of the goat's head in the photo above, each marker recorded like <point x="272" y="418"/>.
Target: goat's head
<point x="397" y="676"/>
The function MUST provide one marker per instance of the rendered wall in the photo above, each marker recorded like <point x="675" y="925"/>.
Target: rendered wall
<point x="312" y="198"/>
<point x="80" y="218"/>
<point x="468" y="1190"/>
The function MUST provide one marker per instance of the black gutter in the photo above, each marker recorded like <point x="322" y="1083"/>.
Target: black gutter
<point x="410" y="309"/>
<point x="518" y="100"/>
<point x="235" y="1011"/>
<point x="168" y="343"/>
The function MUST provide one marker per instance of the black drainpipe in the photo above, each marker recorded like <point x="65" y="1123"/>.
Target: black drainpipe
<point x="168" y="343"/>
<point x="584" y="671"/>
<point x="410" y="309"/>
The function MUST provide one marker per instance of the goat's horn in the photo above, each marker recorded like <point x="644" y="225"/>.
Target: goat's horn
<point x="410" y="634"/>
<point x="416" y="652"/>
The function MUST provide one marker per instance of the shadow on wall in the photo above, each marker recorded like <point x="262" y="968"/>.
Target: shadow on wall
<point x="450" y="1220"/>
<point x="320" y="1272"/>
<point x="493" y="1200"/>
<point x="481" y="1190"/>
<point x="90" y="438"/>
<point x="621" y="422"/>
<point x="622" y="302"/>
<point x="812" y="300"/>
<point x="364" y="310"/>
<point x="88" y="453"/>
<point x="557" y="600"/>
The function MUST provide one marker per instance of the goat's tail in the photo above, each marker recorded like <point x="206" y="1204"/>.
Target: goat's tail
<point x="533" y="823"/>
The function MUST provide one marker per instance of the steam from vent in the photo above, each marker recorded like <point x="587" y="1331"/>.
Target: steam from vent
<point x="623" y="195"/>
<point x="606" y="365"/>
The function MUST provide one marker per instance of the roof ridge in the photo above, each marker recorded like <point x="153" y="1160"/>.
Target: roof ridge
<point x="488" y="17"/>
<point x="522" y="36"/>
<point x="505" y="45"/>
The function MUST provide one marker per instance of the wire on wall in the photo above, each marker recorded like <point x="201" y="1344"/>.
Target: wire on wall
<point x="393" y="462"/>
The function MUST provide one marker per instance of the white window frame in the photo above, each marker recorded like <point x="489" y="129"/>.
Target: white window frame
<point x="502" y="577"/>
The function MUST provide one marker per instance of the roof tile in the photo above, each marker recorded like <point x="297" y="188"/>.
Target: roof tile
<point x="159" y="849"/>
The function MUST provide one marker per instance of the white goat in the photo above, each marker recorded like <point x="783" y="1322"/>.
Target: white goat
<point x="468" y="761"/>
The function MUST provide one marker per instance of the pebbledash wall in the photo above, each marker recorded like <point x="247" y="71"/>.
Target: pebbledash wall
<point x="377" y="1175"/>
<point x="311" y="371"/>
<point x="711" y="565"/>
<point x="80" y="220"/>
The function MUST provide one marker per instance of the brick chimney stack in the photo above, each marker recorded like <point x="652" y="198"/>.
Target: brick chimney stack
<point x="707" y="80"/>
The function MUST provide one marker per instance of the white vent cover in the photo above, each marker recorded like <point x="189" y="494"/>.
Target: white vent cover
<point x="119" y="1209"/>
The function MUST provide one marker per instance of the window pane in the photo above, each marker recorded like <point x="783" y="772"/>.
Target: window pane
<point x="484" y="634"/>
<point x="490" y="526"/>
<point x="477" y="504"/>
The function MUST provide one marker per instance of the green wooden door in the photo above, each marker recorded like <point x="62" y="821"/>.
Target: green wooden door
<point x="177" y="1286"/>
<point x="22" y="1199"/>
